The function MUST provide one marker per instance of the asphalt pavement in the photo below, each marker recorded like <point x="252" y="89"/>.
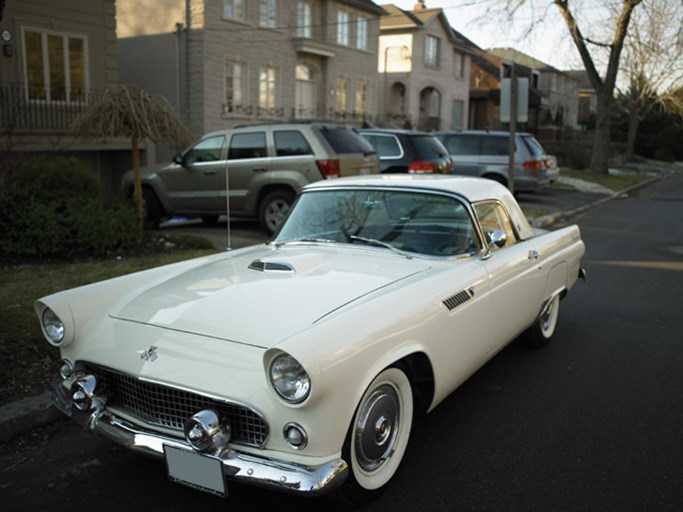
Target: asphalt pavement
<point x="547" y="209"/>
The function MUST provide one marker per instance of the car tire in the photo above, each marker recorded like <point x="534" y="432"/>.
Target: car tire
<point x="209" y="219"/>
<point x="151" y="209"/>
<point x="378" y="436"/>
<point x="273" y="209"/>
<point x="539" y="334"/>
<point x="497" y="178"/>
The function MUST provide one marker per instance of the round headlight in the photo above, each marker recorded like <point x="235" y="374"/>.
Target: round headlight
<point x="289" y="379"/>
<point x="53" y="326"/>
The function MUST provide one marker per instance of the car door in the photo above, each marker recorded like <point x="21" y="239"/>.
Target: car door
<point x="516" y="280"/>
<point x="248" y="164"/>
<point x="195" y="185"/>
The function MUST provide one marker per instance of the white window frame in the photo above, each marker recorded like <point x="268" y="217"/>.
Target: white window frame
<point x="458" y="115"/>
<point x="362" y="33"/>
<point x="48" y="87"/>
<point x="236" y="104"/>
<point x="361" y="100"/>
<point x="268" y="14"/>
<point x="343" y="20"/>
<point x="341" y="95"/>
<point x="458" y="65"/>
<point x="233" y="10"/>
<point x="304" y="19"/>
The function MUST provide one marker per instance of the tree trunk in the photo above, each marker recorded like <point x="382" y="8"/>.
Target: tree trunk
<point x="138" y="181"/>
<point x="601" y="143"/>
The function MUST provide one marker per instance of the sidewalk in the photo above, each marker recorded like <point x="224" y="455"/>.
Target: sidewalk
<point x="550" y="208"/>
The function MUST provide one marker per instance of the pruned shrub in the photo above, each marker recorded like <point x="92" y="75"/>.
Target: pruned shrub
<point x="55" y="208"/>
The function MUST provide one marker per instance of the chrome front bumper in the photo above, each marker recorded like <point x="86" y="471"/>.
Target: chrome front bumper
<point x="237" y="467"/>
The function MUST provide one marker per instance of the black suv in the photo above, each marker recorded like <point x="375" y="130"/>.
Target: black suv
<point x="266" y="166"/>
<point x="409" y="151"/>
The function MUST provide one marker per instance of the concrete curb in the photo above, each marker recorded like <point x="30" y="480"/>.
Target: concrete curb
<point x="34" y="412"/>
<point x="546" y="221"/>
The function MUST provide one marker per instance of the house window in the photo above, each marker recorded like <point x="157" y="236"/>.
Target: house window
<point x="458" y="113"/>
<point x="361" y="97"/>
<point x="343" y="28"/>
<point x="268" y="14"/>
<point x="535" y="79"/>
<point x="341" y="95"/>
<point x="362" y="33"/>
<point x="303" y="20"/>
<point x="458" y="65"/>
<point x="233" y="9"/>
<point x="55" y="66"/>
<point x="267" y="89"/>
<point x="432" y="48"/>
<point x="234" y="87"/>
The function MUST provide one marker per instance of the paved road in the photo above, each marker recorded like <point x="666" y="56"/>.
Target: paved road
<point x="592" y="422"/>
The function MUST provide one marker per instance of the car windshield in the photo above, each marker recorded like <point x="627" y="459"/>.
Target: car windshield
<point x="412" y="222"/>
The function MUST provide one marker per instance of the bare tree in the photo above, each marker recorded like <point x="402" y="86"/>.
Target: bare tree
<point x="652" y="63"/>
<point x="126" y="111"/>
<point x="592" y="53"/>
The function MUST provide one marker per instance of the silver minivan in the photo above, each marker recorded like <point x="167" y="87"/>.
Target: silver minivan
<point x="485" y="154"/>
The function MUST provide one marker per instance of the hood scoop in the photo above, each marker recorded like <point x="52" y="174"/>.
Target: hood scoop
<point x="271" y="266"/>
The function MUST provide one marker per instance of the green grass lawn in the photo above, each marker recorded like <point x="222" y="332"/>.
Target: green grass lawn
<point x="28" y="362"/>
<point x="615" y="181"/>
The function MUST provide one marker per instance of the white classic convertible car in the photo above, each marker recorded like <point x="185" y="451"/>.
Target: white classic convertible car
<point x="299" y="365"/>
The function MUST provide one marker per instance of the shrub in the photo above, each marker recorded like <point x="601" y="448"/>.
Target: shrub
<point x="54" y="208"/>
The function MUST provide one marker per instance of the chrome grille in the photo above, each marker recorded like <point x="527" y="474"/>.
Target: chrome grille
<point x="160" y="405"/>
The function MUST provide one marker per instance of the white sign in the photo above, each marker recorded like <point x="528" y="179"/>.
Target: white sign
<point x="522" y="100"/>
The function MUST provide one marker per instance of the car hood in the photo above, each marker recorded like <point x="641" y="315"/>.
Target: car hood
<point x="261" y="297"/>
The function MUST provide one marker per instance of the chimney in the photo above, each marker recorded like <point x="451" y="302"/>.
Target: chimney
<point x="420" y="5"/>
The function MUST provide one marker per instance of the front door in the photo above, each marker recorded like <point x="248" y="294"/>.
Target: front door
<point x="306" y="92"/>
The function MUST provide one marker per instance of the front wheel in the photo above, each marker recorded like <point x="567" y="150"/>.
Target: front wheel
<point x="273" y="209"/>
<point x="540" y="333"/>
<point x="378" y="436"/>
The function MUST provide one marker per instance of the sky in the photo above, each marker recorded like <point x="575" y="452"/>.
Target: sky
<point x="549" y="42"/>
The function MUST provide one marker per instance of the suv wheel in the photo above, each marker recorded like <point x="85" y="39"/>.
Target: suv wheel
<point x="151" y="209"/>
<point x="273" y="209"/>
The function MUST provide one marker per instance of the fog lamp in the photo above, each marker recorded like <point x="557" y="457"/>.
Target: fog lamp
<point x="296" y="436"/>
<point x="82" y="392"/>
<point x="66" y="369"/>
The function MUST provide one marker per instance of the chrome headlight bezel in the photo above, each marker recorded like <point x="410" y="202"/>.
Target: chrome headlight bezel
<point x="289" y="379"/>
<point x="53" y="326"/>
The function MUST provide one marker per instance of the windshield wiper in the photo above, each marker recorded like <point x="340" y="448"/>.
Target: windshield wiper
<point x="380" y="243"/>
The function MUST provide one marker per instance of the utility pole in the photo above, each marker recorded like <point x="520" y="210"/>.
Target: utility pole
<point x="513" y="129"/>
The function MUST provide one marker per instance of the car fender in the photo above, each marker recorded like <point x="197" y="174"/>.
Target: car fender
<point x="290" y="179"/>
<point x="152" y="180"/>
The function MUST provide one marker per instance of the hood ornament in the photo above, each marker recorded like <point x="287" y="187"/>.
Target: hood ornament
<point x="150" y="354"/>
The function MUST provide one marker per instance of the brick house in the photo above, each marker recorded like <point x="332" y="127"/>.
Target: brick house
<point x="425" y="70"/>
<point x="229" y="62"/>
<point x="56" y="57"/>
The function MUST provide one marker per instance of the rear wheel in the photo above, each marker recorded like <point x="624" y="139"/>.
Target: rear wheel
<point x="378" y="436"/>
<point x="542" y="331"/>
<point x="273" y="209"/>
<point x="151" y="209"/>
<point x="497" y="178"/>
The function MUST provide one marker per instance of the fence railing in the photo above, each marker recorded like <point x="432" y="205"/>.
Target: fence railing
<point x="23" y="111"/>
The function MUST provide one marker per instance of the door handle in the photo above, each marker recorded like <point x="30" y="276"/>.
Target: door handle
<point x="259" y="169"/>
<point x="533" y="254"/>
<point x="210" y="172"/>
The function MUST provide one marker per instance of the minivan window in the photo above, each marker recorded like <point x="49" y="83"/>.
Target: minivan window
<point x="344" y="140"/>
<point x="291" y="143"/>
<point x="462" y="144"/>
<point x="495" y="145"/>
<point x="534" y="147"/>
<point x="248" y="145"/>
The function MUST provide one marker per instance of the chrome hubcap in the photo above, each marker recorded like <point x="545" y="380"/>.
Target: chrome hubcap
<point x="377" y="427"/>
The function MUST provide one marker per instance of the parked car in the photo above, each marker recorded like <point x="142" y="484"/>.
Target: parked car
<point x="298" y="365"/>
<point x="267" y="163"/>
<point x="486" y="154"/>
<point x="409" y="151"/>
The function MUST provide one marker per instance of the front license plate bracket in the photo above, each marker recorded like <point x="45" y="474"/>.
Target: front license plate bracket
<point x="196" y="470"/>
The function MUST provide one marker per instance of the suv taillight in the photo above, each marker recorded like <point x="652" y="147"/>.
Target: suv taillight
<point x="420" y="167"/>
<point x="329" y="168"/>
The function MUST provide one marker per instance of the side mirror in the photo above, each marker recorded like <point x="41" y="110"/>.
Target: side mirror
<point x="495" y="238"/>
<point x="178" y="159"/>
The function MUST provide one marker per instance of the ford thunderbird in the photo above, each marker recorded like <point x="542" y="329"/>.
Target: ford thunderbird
<point x="299" y="365"/>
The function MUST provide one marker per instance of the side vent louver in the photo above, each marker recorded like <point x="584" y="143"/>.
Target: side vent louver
<point x="271" y="266"/>
<point x="457" y="300"/>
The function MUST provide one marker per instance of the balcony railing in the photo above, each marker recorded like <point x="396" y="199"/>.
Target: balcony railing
<point x="20" y="113"/>
<point x="285" y="114"/>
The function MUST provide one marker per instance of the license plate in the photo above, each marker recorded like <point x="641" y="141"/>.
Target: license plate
<point x="196" y="470"/>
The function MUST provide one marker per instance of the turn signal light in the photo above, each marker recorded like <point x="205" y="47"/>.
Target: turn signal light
<point x="329" y="168"/>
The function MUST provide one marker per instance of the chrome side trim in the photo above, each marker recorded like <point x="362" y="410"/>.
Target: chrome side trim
<point x="238" y="467"/>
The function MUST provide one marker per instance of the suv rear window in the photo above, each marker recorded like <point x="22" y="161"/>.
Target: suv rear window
<point x="534" y="147"/>
<point x="428" y="147"/>
<point x="345" y="140"/>
<point x="291" y="143"/>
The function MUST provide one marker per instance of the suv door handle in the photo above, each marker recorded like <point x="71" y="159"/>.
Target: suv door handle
<point x="210" y="172"/>
<point x="259" y="169"/>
